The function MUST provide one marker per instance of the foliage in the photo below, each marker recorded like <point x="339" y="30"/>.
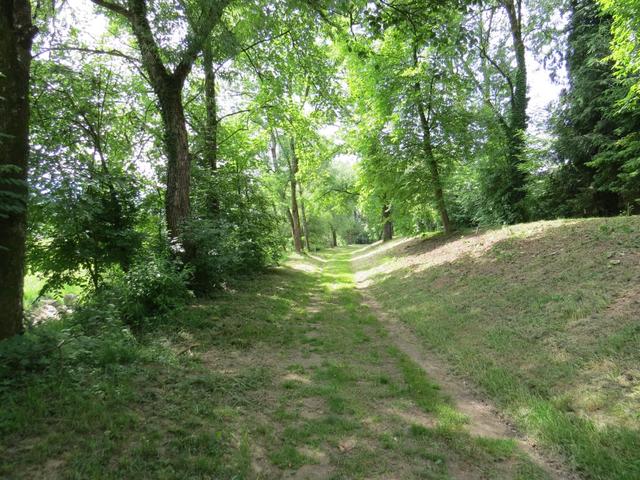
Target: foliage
<point x="154" y="285"/>
<point x="228" y="247"/>
<point x="85" y="190"/>
<point x="88" y="232"/>
<point x="624" y="43"/>
<point x="595" y="166"/>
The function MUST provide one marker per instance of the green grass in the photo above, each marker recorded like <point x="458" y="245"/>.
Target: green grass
<point x="287" y="372"/>
<point x="34" y="283"/>
<point x="543" y="317"/>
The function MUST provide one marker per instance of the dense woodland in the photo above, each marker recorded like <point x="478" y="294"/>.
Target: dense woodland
<point x="153" y="151"/>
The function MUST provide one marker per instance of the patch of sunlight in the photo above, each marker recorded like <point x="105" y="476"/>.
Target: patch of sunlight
<point x="606" y="393"/>
<point x="295" y="377"/>
<point x="474" y="245"/>
<point x="333" y="286"/>
<point x="303" y="267"/>
<point x="369" y="246"/>
<point x="379" y="247"/>
<point x="317" y="259"/>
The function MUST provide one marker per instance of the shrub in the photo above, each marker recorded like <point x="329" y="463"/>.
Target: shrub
<point x="227" y="247"/>
<point x="153" y="286"/>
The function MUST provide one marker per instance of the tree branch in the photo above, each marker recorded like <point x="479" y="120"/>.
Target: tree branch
<point x="114" y="7"/>
<point x="97" y="51"/>
<point x="495" y="65"/>
<point x="201" y="34"/>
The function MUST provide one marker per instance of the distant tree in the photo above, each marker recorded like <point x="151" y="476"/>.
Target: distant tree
<point x="497" y="64"/>
<point x="409" y="97"/>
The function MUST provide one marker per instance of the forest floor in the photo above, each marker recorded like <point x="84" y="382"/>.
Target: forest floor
<point x="367" y="362"/>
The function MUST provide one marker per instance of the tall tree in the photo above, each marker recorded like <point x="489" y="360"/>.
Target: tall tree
<point x="594" y="138"/>
<point x="293" y="183"/>
<point x="407" y="91"/>
<point x="426" y="118"/>
<point x="501" y="60"/>
<point x="168" y="84"/>
<point x="16" y="37"/>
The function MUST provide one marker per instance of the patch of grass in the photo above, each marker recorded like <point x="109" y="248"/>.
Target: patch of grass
<point x="287" y="457"/>
<point x="33" y="284"/>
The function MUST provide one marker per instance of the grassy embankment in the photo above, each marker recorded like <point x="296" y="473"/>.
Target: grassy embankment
<point x="544" y="317"/>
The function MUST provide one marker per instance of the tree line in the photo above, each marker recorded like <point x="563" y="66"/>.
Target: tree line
<point x="153" y="151"/>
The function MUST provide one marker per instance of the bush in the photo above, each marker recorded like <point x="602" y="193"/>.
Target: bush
<point x="98" y="333"/>
<point x="227" y="247"/>
<point x="153" y="286"/>
<point x="93" y="337"/>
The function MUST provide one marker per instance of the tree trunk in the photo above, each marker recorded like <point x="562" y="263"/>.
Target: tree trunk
<point x="432" y="164"/>
<point x="291" y="223"/>
<point x="305" y="225"/>
<point x="517" y="126"/>
<point x="211" y="128"/>
<point x="387" y="224"/>
<point x="16" y="36"/>
<point x="334" y="237"/>
<point x="295" y="214"/>
<point x="176" y="145"/>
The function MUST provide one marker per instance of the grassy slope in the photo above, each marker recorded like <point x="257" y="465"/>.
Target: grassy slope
<point x="288" y="376"/>
<point x="544" y="317"/>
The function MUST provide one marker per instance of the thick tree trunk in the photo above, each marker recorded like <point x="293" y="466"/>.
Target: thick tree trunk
<point x="334" y="237"/>
<point x="211" y="129"/>
<point x="517" y="125"/>
<point x="387" y="224"/>
<point x="305" y="225"/>
<point x="176" y="145"/>
<point x="167" y="86"/>
<point x="168" y="89"/>
<point x="16" y="36"/>
<point x="295" y="213"/>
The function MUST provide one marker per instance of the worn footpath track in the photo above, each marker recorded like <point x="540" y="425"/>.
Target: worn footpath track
<point x="484" y="419"/>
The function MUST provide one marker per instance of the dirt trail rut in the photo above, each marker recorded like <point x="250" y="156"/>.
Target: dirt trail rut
<point x="484" y="419"/>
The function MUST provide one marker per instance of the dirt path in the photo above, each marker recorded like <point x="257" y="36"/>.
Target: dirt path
<point x="484" y="418"/>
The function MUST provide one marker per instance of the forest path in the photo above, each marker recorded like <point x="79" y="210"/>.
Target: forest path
<point x="288" y="375"/>
<point x="484" y="419"/>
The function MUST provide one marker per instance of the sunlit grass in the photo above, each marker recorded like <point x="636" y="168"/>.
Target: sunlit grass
<point x="33" y="285"/>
